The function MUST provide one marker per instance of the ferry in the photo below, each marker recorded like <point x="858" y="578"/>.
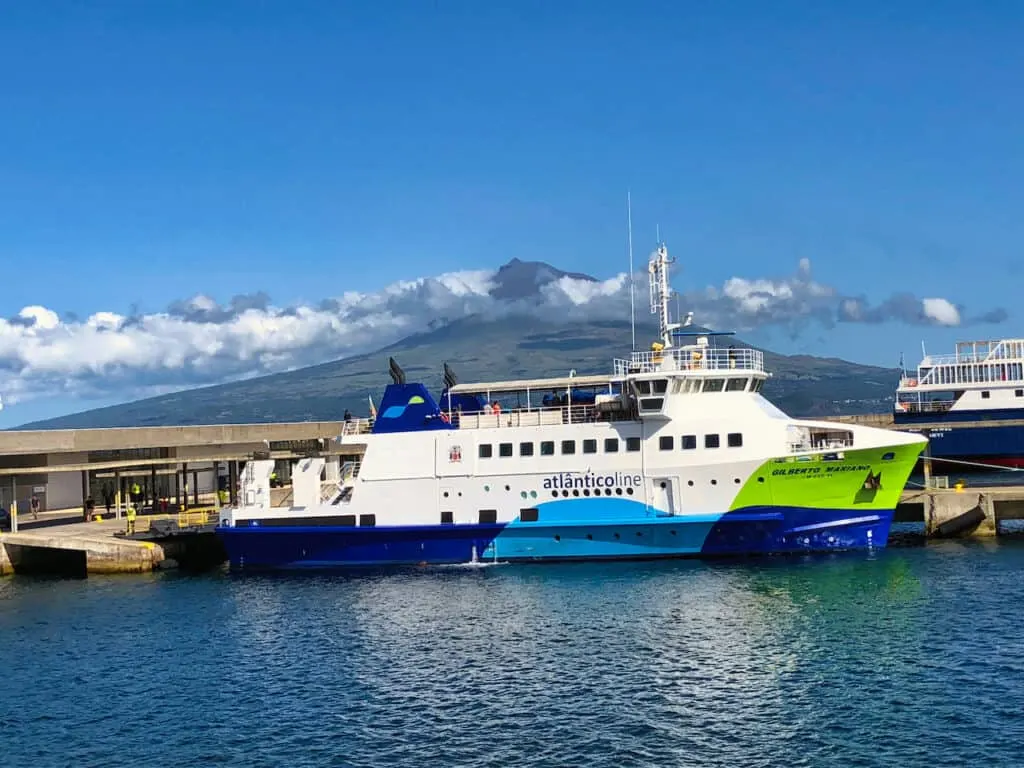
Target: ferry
<point x="963" y="402"/>
<point x="674" y="453"/>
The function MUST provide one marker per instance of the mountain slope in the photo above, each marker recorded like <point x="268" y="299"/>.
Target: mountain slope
<point x="519" y="347"/>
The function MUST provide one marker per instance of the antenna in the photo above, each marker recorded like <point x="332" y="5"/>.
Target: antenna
<point x="632" y="293"/>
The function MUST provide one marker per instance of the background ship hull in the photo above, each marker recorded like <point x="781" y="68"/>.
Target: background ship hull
<point x="996" y="445"/>
<point x="749" y="531"/>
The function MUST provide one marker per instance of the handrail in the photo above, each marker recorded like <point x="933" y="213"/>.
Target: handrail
<point x="535" y="417"/>
<point x="692" y="359"/>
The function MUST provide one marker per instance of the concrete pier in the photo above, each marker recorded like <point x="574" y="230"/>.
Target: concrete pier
<point x="78" y="555"/>
<point x="967" y="512"/>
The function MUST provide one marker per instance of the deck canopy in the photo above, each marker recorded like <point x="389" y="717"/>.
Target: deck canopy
<point x="523" y="385"/>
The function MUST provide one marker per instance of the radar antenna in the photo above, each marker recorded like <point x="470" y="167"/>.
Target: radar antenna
<point x="661" y="292"/>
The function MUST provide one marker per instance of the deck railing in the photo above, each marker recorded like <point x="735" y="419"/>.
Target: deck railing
<point x="692" y="359"/>
<point x="536" y="417"/>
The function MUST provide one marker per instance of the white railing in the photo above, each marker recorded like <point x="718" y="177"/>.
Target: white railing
<point x="692" y="359"/>
<point x="536" y="417"/>
<point x="816" y="439"/>
<point x="934" y="406"/>
<point x="348" y="473"/>
<point x="357" y="427"/>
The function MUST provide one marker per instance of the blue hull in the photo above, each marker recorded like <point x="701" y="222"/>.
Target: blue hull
<point x="995" y="445"/>
<point x="752" y="531"/>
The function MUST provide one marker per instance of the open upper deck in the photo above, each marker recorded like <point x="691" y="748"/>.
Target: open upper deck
<point x="974" y="363"/>
<point x="692" y="358"/>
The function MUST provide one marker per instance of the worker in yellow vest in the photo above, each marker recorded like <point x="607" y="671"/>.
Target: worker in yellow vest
<point x="131" y="519"/>
<point x="136" y="492"/>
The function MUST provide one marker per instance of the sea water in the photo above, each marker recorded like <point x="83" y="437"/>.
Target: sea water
<point x="912" y="656"/>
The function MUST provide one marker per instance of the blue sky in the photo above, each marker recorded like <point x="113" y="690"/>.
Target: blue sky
<point x="153" y="151"/>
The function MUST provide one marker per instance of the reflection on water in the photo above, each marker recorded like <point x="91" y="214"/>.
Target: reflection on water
<point x="902" y="657"/>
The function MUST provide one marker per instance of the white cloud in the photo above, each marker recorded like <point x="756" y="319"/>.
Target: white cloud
<point x="198" y="341"/>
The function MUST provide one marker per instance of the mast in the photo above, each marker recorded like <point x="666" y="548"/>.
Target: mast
<point x="661" y="292"/>
<point x="632" y="293"/>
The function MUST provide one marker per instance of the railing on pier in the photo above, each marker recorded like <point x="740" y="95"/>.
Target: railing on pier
<point x="536" y="417"/>
<point x="692" y="359"/>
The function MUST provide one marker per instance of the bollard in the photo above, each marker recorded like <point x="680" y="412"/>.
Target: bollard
<point x="14" y="517"/>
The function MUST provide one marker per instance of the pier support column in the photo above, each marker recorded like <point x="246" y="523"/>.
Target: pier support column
<point x="177" y="489"/>
<point x="184" y="485"/>
<point x="195" y="488"/>
<point x="152" y="488"/>
<point x="233" y="482"/>
<point x="85" y="490"/>
<point x="117" y="494"/>
<point x="926" y="460"/>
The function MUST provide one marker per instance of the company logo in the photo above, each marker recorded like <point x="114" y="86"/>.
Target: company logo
<point x="455" y="454"/>
<point x="567" y="480"/>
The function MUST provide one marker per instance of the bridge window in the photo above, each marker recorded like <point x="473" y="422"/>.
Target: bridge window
<point x="526" y="449"/>
<point x="590" y="446"/>
<point x="568" y="447"/>
<point x="642" y="387"/>
<point x="505" y="450"/>
<point x="486" y="451"/>
<point x="547" y="448"/>
<point x="712" y="441"/>
<point x="735" y="440"/>
<point x="665" y="442"/>
<point x="611" y="445"/>
<point x="714" y="385"/>
<point x="651" y="403"/>
<point x="633" y="444"/>
<point x="736" y="385"/>
<point x="659" y="386"/>
<point x="756" y="384"/>
<point x="688" y="442"/>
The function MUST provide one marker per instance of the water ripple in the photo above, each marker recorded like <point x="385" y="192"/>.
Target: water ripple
<point x="903" y="658"/>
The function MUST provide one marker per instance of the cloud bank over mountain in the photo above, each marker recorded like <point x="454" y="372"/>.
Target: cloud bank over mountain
<point x="198" y="341"/>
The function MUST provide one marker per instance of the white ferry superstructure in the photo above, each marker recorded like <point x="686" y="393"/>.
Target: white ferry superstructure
<point x="674" y="453"/>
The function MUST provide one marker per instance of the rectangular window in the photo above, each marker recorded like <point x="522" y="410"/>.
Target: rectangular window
<point x="368" y="520"/>
<point x="447" y="518"/>
<point x="505" y="450"/>
<point x="665" y="442"/>
<point x="633" y="444"/>
<point x="611" y="445"/>
<point x="488" y="516"/>
<point x="984" y="395"/>
<point x="711" y="441"/>
<point x="735" y="440"/>
<point x="486" y="451"/>
<point x="1018" y="393"/>
<point x="689" y="442"/>
<point x="568" y="447"/>
<point x="528" y="515"/>
<point x="735" y="385"/>
<point x="526" y="449"/>
<point x="590" y="446"/>
<point x="659" y="386"/>
<point x="714" y="385"/>
<point x="547" y="448"/>
<point x="642" y="387"/>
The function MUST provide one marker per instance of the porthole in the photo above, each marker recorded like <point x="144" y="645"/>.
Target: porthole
<point x="760" y="479"/>
<point x="714" y="482"/>
<point x="618" y="491"/>
<point x="617" y="536"/>
<point x="523" y="494"/>
<point x="446" y="494"/>
<point x="664" y="485"/>
<point x="565" y="494"/>
<point x="555" y="494"/>
<point x="629" y="491"/>
<point x="607" y="491"/>
<point x="557" y="537"/>
<point x="639" y="533"/>
<point x="586" y="491"/>
<point x="672" y="532"/>
<point x="689" y="483"/>
<point x="736" y="480"/>
<point x="487" y="488"/>
<point x="590" y="537"/>
<point x="575" y="491"/>
<point x="508" y="487"/>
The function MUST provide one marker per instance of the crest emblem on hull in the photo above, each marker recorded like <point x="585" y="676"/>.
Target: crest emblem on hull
<point x="455" y="454"/>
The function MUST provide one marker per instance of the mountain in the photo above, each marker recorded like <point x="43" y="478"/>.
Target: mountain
<point x="522" y="279"/>
<point x="478" y="350"/>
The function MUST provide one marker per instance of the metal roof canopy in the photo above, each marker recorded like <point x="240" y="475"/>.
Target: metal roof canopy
<point x="522" y="385"/>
